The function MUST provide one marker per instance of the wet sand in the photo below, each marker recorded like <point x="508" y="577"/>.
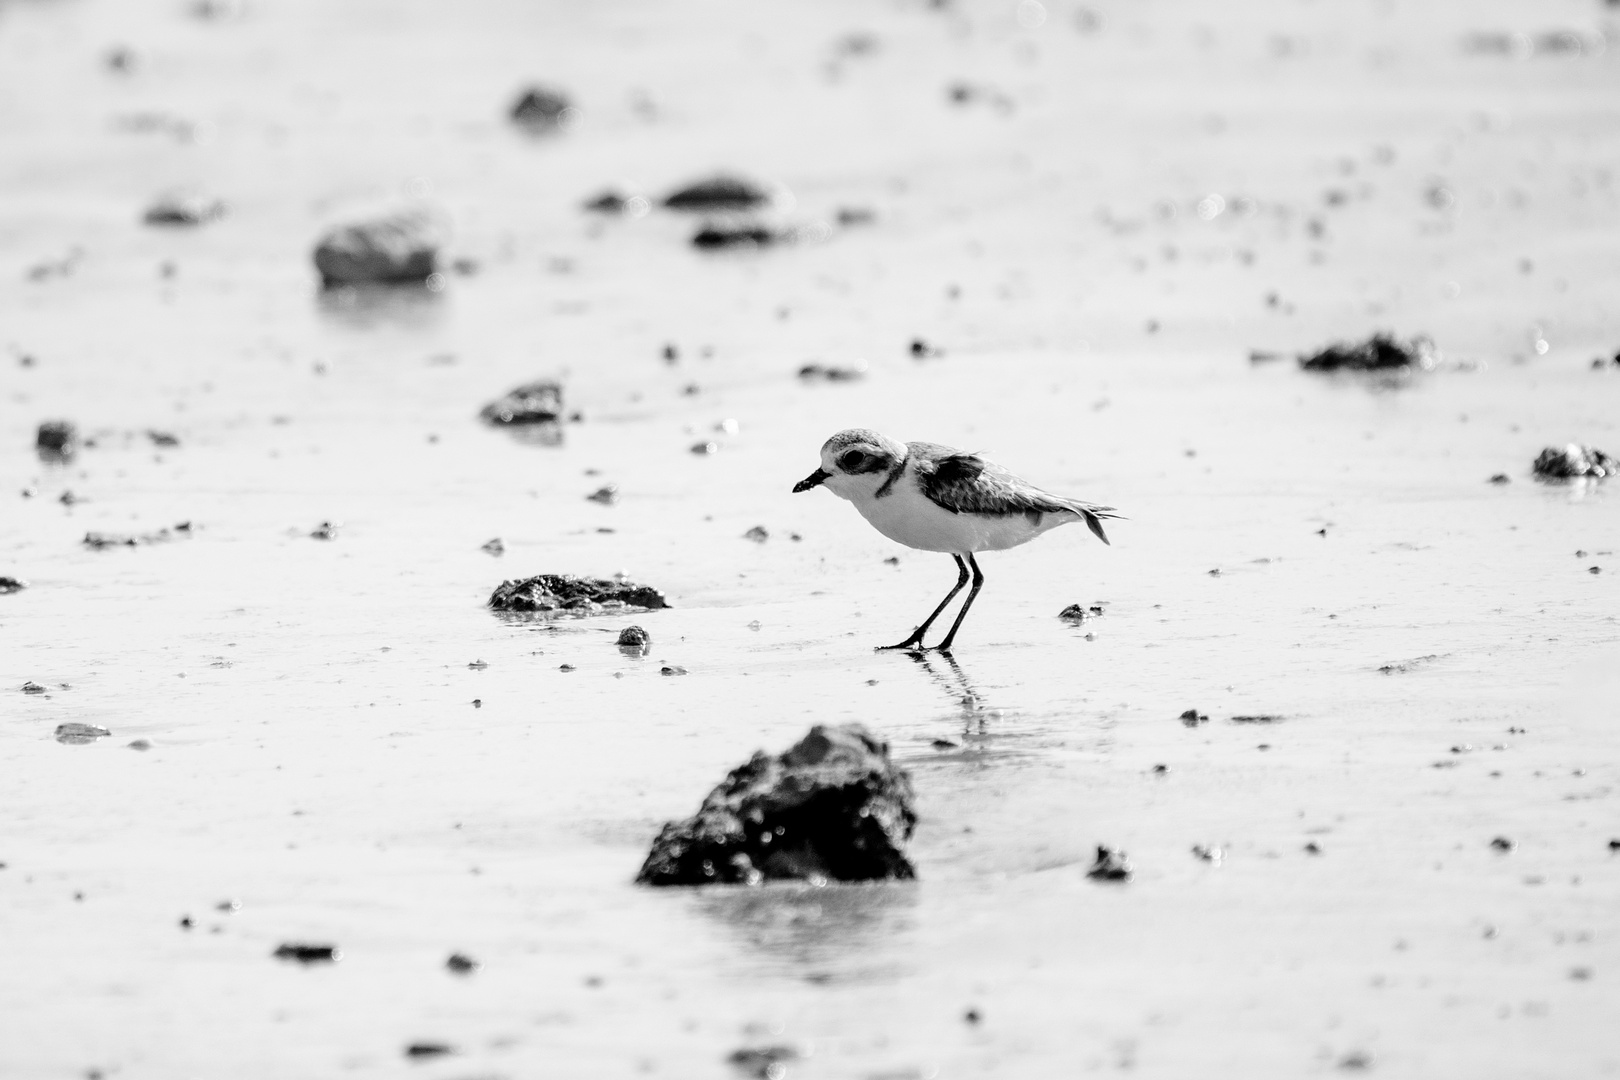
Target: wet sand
<point x="324" y="751"/>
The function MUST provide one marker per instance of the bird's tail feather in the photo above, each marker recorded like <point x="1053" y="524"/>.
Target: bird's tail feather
<point x="1094" y="515"/>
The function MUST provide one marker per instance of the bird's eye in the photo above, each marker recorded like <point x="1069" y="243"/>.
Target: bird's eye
<point x="850" y="460"/>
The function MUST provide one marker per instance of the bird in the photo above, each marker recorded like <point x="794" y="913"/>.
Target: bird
<point x="934" y="498"/>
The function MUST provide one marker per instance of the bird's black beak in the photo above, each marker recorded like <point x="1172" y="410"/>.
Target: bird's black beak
<point x="815" y="479"/>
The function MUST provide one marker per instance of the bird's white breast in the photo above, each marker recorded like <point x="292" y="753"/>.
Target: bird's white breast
<point x="909" y="517"/>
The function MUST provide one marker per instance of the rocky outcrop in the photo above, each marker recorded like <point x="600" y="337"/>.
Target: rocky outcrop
<point x="397" y="248"/>
<point x="567" y="594"/>
<point x="833" y="807"/>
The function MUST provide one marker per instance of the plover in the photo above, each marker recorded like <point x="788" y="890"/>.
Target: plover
<point x="933" y="498"/>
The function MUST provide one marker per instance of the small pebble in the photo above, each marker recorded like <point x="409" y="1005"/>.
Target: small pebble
<point x="308" y="954"/>
<point x="427" y="1049"/>
<point x="1111" y="865"/>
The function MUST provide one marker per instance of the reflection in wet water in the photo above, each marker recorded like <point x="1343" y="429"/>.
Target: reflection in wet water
<point x="972" y="710"/>
<point x="827" y="933"/>
<point x="366" y="307"/>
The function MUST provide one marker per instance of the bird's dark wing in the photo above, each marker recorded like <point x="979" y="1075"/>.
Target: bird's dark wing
<point x="968" y="484"/>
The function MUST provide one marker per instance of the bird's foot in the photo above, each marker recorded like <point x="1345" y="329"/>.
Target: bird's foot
<point x="910" y="645"/>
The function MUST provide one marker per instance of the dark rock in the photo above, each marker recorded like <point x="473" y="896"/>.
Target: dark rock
<point x="718" y="193"/>
<point x="1192" y="718"/>
<point x="816" y="372"/>
<point x="183" y="208"/>
<point x="165" y="439"/>
<point x="401" y="247"/>
<point x="566" y="593"/>
<point x="973" y="1016"/>
<point x="762" y="1061"/>
<point x="758" y="534"/>
<point x="922" y="350"/>
<point x="10" y="584"/>
<point x="539" y="402"/>
<point x="1356" y="1061"/>
<point x="100" y="540"/>
<point x="634" y="637"/>
<point x="57" y="439"/>
<point x="1381" y="352"/>
<point x="139" y="744"/>
<point x="1502" y="843"/>
<point x="607" y="494"/>
<point x="32" y="687"/>
<point x="1501" y="478"/>
<point x="542" y="108"/>
<point x="714" y="235"/>
<point x="855" y="215"/>
<point x="1079" y="613"/>
<point x="608" y="202"/>
<point x="616" y="202"/>
<point x="1258" y="718"/>
<point x="1111" y="865"/>
<point x="703" y="449"/>
<point x="73" y="734"/>
<point x="305" y="953"/>
<point x="672" y="669"/>
<point x="1563" y="463"/>
<point x="462" y="964"/>
<point x="833" y="806"/>
<point x="428" y="1049"/>
<point x="493" y="547"/>
<point x="1207" y="853"/>
<point x="326" y="530"/>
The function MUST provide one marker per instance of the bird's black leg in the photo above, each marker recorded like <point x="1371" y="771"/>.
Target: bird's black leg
<point x="978" y="581"/>
<point x="915" y="640"/>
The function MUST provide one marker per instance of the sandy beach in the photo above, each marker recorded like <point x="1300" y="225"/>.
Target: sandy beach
<point x="1393" y="846"/>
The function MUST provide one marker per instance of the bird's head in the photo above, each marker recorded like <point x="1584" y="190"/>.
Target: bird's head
<point x="854" y="464"/>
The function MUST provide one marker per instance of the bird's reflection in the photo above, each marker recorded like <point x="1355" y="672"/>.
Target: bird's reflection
<point x="956" y="684"/>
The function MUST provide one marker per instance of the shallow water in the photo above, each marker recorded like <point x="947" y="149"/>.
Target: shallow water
<point x="316" y="751"/>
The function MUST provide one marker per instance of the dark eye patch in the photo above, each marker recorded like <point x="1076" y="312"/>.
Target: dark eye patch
<point x="850" y="460"/>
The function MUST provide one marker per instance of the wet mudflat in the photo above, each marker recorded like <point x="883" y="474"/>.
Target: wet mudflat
<point x="320" y="738"/>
